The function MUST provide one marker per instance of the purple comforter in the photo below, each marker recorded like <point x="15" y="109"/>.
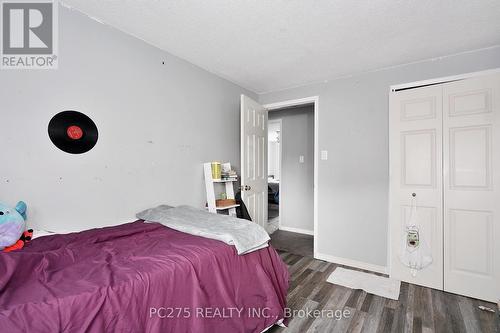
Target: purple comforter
<point x="139" y="277"/>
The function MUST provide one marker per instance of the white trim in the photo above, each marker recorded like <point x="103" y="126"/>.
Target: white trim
<point x="352" y="263"/>
<point x="389" y="193"/>
<point x="297" y="230"/>
<point x="443" y="79"/>
<point x="302" y="101"/>
<point x="280" y="121"/>
<point x="293" y="102"/>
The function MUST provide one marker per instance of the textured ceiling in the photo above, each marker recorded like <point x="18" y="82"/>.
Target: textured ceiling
<point x="267" y="45"/>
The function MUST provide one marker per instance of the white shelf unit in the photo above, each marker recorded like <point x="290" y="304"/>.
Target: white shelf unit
<point x="210" y="185"/>
<point x="224" y="181"/>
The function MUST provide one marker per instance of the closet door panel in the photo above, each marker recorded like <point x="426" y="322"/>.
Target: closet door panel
<point x="470" y="157"/>
<point x="471" y="127"/>
<point x="471" y="260"/>
<point x="418" y="160"/>
<point x="415" y="167"/>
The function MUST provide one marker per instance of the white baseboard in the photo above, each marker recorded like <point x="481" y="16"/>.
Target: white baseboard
<point x="297" y="230"/>
<point x="352" y="263"/>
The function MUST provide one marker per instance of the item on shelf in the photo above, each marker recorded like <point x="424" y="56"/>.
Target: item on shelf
<point x="216" y="170"/>
<point x="225" y="202"/>
<point x="229" y="175"/>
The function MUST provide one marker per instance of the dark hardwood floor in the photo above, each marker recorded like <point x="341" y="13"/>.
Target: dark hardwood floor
<point x="419" y="309"/>
<point x="293" y="242"/>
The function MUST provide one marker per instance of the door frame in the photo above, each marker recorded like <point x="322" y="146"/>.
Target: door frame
<point x="297" y="102"/>
<point x="278" y="121"/>
<point x="442" y="79"/>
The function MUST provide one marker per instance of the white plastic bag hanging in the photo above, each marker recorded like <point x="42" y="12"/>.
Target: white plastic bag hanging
<point x="416" y="252"/>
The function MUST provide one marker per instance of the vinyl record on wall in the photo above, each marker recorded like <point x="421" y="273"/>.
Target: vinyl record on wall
<point x="73" y="132"/>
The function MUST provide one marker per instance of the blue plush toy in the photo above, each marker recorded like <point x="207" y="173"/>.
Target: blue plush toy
<point x="12" y="224"/>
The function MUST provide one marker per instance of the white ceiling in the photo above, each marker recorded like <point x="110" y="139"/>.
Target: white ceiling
<point x="267" y="45"/>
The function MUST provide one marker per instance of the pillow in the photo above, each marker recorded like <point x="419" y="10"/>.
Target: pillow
<point x="39" y="233"/>
<point x="146" y="214"/>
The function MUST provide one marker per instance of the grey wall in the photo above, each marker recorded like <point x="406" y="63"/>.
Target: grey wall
<point x="158" y="124"/>
<point x="353" y="127"/>
<point x="297" y="179"/>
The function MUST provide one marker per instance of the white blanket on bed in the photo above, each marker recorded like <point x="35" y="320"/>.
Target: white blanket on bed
<point x="245" y="235"/>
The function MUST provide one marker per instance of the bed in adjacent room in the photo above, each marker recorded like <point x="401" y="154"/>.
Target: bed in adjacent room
<point x="139" y="277"/>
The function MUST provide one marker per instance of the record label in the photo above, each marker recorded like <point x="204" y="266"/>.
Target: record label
<point x="74" y="132"/>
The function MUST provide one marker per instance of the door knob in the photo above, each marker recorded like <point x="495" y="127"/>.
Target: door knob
<point x="248" y="187"/>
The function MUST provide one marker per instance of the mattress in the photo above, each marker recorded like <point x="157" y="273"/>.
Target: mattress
<point x="139" y="277"/>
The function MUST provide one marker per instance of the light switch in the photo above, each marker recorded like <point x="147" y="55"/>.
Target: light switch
<point x="301" y="159"/>
<point x="324" y="155"/>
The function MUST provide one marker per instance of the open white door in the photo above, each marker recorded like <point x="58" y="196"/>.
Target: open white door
<point x="254" y="159"/>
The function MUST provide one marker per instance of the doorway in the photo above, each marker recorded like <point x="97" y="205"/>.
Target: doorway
<point x="254" y="156"/>
<point x="291" y="177"/>
<point x="273" y="174"/>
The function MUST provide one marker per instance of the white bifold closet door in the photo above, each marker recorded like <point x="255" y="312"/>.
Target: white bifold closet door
<point x="471" y="119"/>
<point x="445" y="147"/>
<point x="416" y="163"/>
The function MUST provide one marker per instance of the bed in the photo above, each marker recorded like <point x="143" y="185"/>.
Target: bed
<point x="139" y="277"/>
